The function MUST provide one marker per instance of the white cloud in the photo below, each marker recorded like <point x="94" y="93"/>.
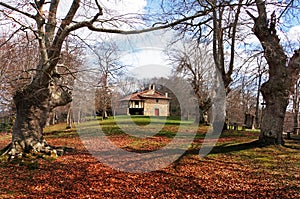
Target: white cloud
<point x="145" y="53"/>
<point x="294" y="34"/>
<point x="155" y="39"/>
<point x="126" y="6"/>
<point x="145" y="56"/>
<point x="147" y="63"/>
<point x="149" y="71"/>
<point x="118" y="7"/>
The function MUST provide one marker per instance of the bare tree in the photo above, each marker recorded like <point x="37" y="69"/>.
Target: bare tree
<point x="260" y="72"/>
<point x="110" y="67"/>
<point x="225" y="26"/>
<point x="219" y="26"/>
<point x="195" y="64"/>
<point x="240" y="103"/>
<point x="127" y="85"/>
<point x="34" y="101"/>
<point x="283" y="71"/>
<point x="16" y="58"/>
<point x="283" y="74"/>
<point x="70" y="61"/>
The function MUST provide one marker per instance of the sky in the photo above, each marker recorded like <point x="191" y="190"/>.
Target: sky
<point x="143" y="53"/>
<point x="158" y="40"/>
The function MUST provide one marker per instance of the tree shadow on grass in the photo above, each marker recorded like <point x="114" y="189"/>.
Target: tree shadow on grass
<point x="224" y="148"/>
<point x="228" y="147"/>
<point x="292" y="143"/>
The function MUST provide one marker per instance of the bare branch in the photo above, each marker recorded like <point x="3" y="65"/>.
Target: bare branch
<point x="286" y="9"/>
<point x="62" y="33"/>
<point x="125" y="32"/>
<point x="10" y="37"/>
<point x="17" y="10"/>
<point x="233" y="37"/>
<point x="51" y="23"/>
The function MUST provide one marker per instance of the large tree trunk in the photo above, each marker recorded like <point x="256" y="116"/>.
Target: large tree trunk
<point x="276" y="97"/>
<point x="276" y="92"/>
<point x="36" y="100"/>
<point x="283" y="73"/>
<point x="33" y="105"/>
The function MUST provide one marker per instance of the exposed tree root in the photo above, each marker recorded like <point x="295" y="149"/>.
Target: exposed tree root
<point x="266" y="141"/>
<point x="5" y="149"/>
<point x="42" y="149"/>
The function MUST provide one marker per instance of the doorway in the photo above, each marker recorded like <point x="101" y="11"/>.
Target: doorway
<point x="156" y="112"/>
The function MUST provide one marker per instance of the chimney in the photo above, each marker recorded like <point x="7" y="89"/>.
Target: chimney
<point x="166" y="94"/>
<point x="152" y="87"/>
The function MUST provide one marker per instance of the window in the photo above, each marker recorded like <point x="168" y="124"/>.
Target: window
<point x="156" y="100"/>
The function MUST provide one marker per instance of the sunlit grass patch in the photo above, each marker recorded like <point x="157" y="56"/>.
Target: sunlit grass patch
<point x="5" y="136"/>
<point x="56" y="127"/>
<point x="269" y="157"/>
<point x="145" y="144"/>
<point x="248" y="133"/>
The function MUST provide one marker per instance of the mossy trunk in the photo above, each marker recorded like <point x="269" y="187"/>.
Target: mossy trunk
<point x="33" y="105"/>
<point x="32" y="109"/>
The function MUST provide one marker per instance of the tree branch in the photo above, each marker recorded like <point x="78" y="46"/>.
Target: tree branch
<point x="51" y="23"/>
<point x="91" y="26"/>
<point x="59" y="96"/>
<point x="294" y="67"/>
<point x="17" y="10"/>
<point x="10" y="37"/>
<point x="62" y="32"/>
<point x="233" y="38"/>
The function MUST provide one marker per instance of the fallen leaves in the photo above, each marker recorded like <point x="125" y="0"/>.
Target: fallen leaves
<point x="77" y="174"/>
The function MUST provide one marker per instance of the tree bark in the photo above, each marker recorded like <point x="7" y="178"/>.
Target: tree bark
<point x="32" y="111"/>
<point x="276" y="94"/>
<point x="33" y="105"/>
<point x="283" y="73"/>
<point x="69" y="118"/>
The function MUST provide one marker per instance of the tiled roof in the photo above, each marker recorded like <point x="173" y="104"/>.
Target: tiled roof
<point x="144" y="95"/>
